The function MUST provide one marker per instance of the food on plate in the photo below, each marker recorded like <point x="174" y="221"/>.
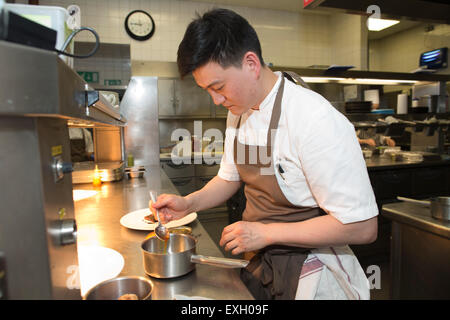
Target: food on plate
<point x="150" y="219"/>
<point x="128" y="296"/>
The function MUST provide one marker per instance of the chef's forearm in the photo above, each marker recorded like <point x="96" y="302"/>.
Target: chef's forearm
<point x="214" y="193"/>
<point x="323" y="231"/>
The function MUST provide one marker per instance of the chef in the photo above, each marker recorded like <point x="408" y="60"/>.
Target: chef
<point x="306" y="182"/>
<point x="374" y="140"/>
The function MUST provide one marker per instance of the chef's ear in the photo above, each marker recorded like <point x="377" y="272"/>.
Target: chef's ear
<point x="251" y="62"/>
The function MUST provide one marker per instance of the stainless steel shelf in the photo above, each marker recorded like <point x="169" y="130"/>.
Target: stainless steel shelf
<point x="37" y="83"/>
<point x="191" y="117"/>
<point x="312" y="72"/>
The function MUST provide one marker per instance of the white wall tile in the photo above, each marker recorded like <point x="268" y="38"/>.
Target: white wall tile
<point x="287" y="38"/>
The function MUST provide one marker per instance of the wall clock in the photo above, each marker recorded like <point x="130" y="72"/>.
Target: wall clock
<point x="139" y="25"/>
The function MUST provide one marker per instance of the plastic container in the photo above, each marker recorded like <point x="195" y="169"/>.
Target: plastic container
<point x="51" y="17"/>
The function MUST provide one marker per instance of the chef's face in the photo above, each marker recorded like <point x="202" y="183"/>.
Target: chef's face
<point x="232" y="87"/>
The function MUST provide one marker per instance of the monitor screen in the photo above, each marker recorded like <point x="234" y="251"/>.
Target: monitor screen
<point x="434" y="59"/>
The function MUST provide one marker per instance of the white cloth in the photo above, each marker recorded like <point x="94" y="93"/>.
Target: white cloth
<point x="332" y="273"/>
<point x="316" y="147"/>
<point x="82" y="133"/>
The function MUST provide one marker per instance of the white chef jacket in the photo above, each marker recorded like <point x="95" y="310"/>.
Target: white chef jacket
<point x="316" y="147"/>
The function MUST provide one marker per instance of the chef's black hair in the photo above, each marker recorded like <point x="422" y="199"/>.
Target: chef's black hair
<point x="221" y="36"/>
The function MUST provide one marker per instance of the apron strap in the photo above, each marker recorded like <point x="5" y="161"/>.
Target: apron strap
<point x="295" y="78"/>
<point x="276" y="112"/>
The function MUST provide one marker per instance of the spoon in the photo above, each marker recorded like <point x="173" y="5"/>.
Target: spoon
<point x="161" y="231"/>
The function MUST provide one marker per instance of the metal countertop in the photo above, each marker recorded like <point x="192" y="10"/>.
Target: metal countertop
<point x="98" y="219"/>
<point x="377" y="162"/>
<point x="418" y="216"/>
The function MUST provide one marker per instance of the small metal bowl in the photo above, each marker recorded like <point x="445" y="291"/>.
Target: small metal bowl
<point x="113" y="289"/>
<point x="135" y="174"/>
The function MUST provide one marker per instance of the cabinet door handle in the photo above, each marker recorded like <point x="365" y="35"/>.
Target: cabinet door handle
<point x="181" y="182"/>
<point x="177" y="166"/>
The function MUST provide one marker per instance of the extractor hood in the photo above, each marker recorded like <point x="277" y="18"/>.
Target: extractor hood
<point x="434" y="11"/>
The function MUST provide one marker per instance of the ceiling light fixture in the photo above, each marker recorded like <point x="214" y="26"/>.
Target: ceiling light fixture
<point x="376" y="24"/>
<point x="358" y="81"/>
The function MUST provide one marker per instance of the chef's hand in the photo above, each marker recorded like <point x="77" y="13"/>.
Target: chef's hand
<point x="369" y="142"/>
<point x="170" y="206"/>
<point x="390" y="142"/>
<point x="244" y="236"/>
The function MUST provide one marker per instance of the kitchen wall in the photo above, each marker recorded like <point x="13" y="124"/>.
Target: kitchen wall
<point x="400" y="52"/>
<point x="287" y="38"/>
<point x="348" y="40"/>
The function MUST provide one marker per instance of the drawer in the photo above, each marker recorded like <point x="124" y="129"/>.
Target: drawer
<point x="177" y="171"/>
<point x="429" y="182"/>
<point x="206" y="170"/>
<point x="184" y="186"/>
<point x="200" y="182"/>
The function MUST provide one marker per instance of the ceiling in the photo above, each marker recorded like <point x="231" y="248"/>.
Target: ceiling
<point x="297" y="6"/>
<point x="285" y="5"/>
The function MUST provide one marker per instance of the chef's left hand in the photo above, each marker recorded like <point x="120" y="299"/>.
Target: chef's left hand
<point x="244" y="236"/>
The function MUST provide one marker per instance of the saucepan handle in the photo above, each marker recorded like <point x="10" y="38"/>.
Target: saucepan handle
<point x="219" y="262"/>
<point x="422" y="202"/>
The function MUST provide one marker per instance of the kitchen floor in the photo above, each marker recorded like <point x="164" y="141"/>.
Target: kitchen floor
<point x="214" y="222"/>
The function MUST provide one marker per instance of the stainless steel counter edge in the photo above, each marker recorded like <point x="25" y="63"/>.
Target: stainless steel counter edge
<point x="417" y="216"/>
<point x="374" y="163"/>
<point x="98" y="219"/>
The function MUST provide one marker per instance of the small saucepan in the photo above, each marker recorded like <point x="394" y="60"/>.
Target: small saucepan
<point x="439" y="206"/>
<point x="177" y="256"/>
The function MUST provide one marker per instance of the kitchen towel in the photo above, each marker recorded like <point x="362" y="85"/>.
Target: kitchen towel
<point x="332" y="273"/>
<point x="402" y="103"/>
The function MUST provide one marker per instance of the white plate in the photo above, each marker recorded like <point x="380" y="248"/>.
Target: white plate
<point x="135" y="220"/>
<point x="97" y="264"/>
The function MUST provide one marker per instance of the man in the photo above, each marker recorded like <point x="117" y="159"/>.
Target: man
<point x="305" y="179"/>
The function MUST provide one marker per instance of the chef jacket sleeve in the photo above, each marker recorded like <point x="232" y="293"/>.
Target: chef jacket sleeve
<point x="334" y="165"/>
<point x="228" y="170"/>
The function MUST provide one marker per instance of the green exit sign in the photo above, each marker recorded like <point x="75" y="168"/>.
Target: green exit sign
<point x="112" y="82"/>
<point x="89" y="76"/>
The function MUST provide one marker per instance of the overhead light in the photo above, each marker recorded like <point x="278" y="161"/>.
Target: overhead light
<point x="321" y="79"/>
<point x="357" y="81"/>
<point x="376" y="24"/>
<point x="377" y="81"/>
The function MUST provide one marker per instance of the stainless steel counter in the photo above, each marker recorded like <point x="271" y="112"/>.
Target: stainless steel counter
<point x="416" y="216"/>
<point x="98" y="219"/>
<point x="420" y="247"/>
<point x="377" y="162"/>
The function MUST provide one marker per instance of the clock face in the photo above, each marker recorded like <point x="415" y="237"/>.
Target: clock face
<point x="139" y="25"/>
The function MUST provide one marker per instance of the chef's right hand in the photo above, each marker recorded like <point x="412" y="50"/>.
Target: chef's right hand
<point x="171" y="207"/>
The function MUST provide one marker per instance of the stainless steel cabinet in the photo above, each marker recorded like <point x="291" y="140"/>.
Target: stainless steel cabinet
<point x="182" y="98"/>
<point x="167" y="103"/>
<point x="185" y="185"/>
<point x="177" y="171"/>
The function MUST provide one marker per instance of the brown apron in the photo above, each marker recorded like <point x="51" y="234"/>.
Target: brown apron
<point x="274" y="271"/>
